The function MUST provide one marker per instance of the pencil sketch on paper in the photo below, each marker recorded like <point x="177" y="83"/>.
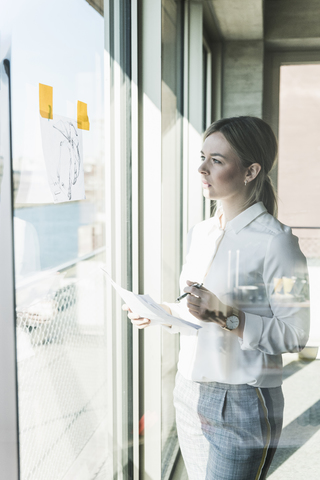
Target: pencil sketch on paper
<point x="71" y="142"/>
<point x="62" y="148"/>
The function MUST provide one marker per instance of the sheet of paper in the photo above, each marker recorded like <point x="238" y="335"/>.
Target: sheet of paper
<point x="63" y="156"/>
<point x="146" y="307"/>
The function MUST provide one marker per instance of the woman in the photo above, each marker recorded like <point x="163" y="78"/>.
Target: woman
<point x="252" y="307"/>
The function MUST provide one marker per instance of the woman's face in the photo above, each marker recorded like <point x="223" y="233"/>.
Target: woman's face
<point x="221" y="172"/>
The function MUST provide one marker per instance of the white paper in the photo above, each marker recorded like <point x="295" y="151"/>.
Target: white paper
<point x="146" y="307"/>
<point x="63" y="155"/>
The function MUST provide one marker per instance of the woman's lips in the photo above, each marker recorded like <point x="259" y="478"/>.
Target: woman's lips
<point x="206" y="185"/>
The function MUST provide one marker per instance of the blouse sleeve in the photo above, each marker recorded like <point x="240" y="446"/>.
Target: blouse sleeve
<point x="285" y="270"/>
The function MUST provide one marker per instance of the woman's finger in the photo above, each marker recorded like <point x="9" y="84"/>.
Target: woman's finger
<point x="134" y="316"/>
<point x="141" y="323"/>
<point x="204" y="289"/>
<point x="195" y="313"/>
<point x="193" y="290"/>
<point x="193" y="300"/>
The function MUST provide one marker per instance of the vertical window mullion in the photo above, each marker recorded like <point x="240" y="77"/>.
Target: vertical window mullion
<point x="151" y="173"/>
<point x="118" y="178"/>
<point x="135" y="232"/>
<point x="9" y="442"/>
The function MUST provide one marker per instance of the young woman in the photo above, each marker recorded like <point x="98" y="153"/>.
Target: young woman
<point x="252" y="307"/>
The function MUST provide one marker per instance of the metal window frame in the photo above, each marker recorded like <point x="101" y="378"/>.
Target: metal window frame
<point x="172" y="240"/>
<point x="208" y="109"/>
<point x="208" y="83"/>
<point x="121" y="178"/>
<point x="192" y="127"/>
<point x="146" y="215"/>
<point x="9" y="439"/>
<point x="152" y="236"/>
<point x="150" y="16"/>
<point x="135" y="228"/>
<point x="117" y="179"/>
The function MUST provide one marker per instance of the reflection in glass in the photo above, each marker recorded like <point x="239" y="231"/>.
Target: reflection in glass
<point x="59" y="247"/>
<point x="299" y="155"/>
<point x="298" y="180"/>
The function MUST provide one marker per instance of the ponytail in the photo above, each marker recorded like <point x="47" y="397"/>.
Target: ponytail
<point x="268" y="196"/>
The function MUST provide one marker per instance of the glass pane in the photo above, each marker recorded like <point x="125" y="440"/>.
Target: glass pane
<point x="171" y="221"/>
<point x="299" y="145"/>
<point x="59" y="228"/>
<point x="299" y="169"/>
<point x="299" y="196"/>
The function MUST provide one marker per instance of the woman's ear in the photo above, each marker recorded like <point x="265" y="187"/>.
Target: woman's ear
<point x="253" y="171"/>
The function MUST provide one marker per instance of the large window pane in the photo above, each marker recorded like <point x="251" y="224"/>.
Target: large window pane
<point x="59" y="228"/>
<point x="299" y="172"/>
<point x="298" y="180"/>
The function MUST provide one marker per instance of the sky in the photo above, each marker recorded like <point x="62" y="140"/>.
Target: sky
<point x="57" y="43"/>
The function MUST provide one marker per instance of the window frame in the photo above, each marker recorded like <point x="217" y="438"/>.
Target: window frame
<point x="121" y="146"/>
<point x="9" y="423"/>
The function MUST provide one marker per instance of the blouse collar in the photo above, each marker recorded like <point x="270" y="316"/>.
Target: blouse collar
<point x="241" y="220"/>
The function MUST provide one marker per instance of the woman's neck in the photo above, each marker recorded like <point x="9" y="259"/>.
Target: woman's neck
<point x="232" y="210"/>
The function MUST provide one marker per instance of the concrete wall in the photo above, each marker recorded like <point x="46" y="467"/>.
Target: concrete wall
<point x="244" y="29"/>
<point x="292" y="24"/>
<point x="239" y="19"/>
<point x="242" y="78"/>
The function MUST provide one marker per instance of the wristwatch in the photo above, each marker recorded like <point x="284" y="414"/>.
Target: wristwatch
<point x="232" y="321"/>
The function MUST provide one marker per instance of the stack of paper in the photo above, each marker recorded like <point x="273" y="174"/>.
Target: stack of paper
<point x="146" y="307"/>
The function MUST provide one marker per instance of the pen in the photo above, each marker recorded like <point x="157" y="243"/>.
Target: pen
<point x="197" y="285"/>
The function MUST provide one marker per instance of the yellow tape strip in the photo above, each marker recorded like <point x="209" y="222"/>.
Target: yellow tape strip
<point x="46" y="101"/>
<point x="82" y="116"/>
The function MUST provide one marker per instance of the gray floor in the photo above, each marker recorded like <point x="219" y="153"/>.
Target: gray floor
<point x="298" y="455"/>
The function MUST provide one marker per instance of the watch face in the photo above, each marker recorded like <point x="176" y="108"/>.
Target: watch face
<point x="232" y="322"/>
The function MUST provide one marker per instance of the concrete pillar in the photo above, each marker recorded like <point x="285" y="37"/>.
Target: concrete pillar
<point x="242" y="83"/>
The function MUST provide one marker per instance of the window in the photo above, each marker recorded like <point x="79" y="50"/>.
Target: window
<point x="292" y="110"/>
<point x="102" y="175"/>
<point x="59" y="236"/>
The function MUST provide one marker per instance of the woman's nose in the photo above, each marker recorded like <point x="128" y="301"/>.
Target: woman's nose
<point x="203" y="168"/>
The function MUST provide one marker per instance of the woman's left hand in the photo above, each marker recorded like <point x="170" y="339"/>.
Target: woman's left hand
<point x="205" y="305"/>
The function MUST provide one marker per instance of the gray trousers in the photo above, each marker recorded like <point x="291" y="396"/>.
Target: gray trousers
<point x="227" y="432"/>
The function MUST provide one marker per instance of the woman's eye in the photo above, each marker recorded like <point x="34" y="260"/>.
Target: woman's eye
<point x="216" y="161"/>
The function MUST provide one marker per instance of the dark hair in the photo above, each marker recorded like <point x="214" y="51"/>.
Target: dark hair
<point x="254" y="142"/>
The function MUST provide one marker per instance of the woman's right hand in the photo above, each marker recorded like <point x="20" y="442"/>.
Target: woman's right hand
<point x="136" y="320"/>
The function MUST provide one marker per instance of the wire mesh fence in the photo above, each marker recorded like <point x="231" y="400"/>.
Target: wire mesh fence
<point x="62" y="382"/>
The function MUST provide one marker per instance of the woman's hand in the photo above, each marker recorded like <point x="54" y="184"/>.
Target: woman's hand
<point x="136" y="320"/>
<point x="205" y="305"/>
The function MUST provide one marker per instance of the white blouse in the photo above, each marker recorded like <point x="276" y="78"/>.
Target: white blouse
<point x="256" y="265"/>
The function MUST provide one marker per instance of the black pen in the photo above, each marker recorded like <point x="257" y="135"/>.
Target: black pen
<point x="197" y="285"/>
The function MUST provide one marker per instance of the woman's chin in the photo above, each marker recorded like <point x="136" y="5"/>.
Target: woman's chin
<point x="207" y="194"/>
